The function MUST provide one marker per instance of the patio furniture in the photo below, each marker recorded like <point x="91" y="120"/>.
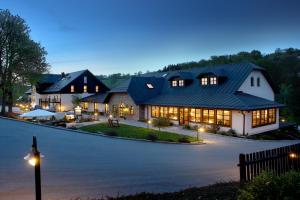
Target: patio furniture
<point x="113" y="123"/>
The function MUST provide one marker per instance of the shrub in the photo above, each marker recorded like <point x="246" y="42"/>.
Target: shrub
<point x="160" y="122"/>
<point x="187" y="126"/>
<point x="214" y="128"/>
<point x="152" y="137"/>
<point x="111" y="133"/>
<point x="232" y="132"/>
<point x="184" y="139"/>
<point x="270" y="186"/>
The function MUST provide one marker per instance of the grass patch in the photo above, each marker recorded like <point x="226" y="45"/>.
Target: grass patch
<point x="136" y="132"/>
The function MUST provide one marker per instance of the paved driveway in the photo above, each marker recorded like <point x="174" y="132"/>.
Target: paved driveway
<point x="82" y="165"/>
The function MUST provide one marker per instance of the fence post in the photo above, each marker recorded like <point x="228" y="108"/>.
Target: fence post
<point x="242" y="165"/>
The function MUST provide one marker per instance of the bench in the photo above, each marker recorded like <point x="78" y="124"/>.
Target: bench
<point x="113" y="123"/>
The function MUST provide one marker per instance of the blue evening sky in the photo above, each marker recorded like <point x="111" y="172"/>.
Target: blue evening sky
<point x="127" y="36"/>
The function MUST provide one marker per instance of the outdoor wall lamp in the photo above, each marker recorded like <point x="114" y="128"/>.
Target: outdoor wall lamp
<point x="148" y="123"/>
<point x="34" y="159"/>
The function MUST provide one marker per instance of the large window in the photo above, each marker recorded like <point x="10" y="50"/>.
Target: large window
<point x="223" y="117"/>
<point x="85" y="105"/>
<point x="154" y="111"/>
<point x="164" y="112"/>
<point x="173" y="113"/>
<point x="263" y="117"/>
<point x="195" y="115"/>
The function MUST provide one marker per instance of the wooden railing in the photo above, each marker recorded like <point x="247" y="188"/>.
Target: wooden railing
<point x="278" y="161"/>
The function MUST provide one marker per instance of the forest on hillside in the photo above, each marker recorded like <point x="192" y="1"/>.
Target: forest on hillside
<point x="283" y="65"/>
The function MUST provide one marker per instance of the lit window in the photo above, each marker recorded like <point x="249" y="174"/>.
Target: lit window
<point x="154" y="111"/>
<point x="85" y="105"/>
<point x="213" y="80"/>
<point x="150" y="86"/>
<point x="72" y="88"/>
<point x="174" y="83"/>
<point x="223" y="117"/>
<point x="85" y="88"/>
<point x="131" y="110"/>
<point x="204" y="81"/>
<point x="85" y="79"/>
<point x="252" y="81"/>
<point x="173" y="113"/>
<point x="181" y="83"/>
<point x="263" y="117"/>
<point x="258" y="82"/>
<point x="97" y="88"/>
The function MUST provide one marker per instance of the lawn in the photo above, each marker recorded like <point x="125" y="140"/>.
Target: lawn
<point x="137" y="133"/>
<point x="277" y="135"/>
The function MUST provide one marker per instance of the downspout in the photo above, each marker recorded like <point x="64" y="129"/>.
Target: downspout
<point x="243" y="113"/>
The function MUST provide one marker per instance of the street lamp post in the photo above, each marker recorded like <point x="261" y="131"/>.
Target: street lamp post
<point x="200" y="130"/>
<point x="34" y="159"/>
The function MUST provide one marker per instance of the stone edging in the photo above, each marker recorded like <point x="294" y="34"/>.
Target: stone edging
<point x="102" y="134"/>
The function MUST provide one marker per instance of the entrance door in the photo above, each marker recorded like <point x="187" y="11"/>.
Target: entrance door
<point x="183" y="116"/>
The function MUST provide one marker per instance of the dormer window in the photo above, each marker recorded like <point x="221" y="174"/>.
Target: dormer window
<point x="204" y="81"/>
<point x="97" y="88"/>
<point x="181" y="83"/>
<point x="72" y="89"/>
<point x="213" y="80"/>
<point x="149" y="85"/>
<point x="174" y="83"/>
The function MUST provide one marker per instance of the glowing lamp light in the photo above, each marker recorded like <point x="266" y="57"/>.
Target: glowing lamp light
<point x="293" y="155"/>
<point x="149" y="122"/>
<point x="31" y="159"/>
<point x="201" y="130"/>
<point x="77" y="110"/>
<point x="282" y="120"/>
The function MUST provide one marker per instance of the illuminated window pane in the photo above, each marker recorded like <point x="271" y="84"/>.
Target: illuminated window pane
<point x="181" y="83"/>
<point x="72" y="88"/>
<point x="174" y="83"/>
<point x="97" y="88"/>
<point x="204" y="81"/>
<point x="85" y="88"/>
<point x="213" y="80"/>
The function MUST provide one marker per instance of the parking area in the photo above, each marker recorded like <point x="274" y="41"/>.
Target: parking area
<point x="82" y="165"/>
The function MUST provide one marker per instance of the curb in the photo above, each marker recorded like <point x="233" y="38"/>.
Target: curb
<point x="101" y="134"/>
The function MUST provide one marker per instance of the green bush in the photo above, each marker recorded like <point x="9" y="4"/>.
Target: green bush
<point x="184" y="139"/>
<point x="187" y="126"/>
<point x="214" y="128"/>
<point x="160" y="122"/>
<point x="152" y="137"/>
<point x="272" y="187"/>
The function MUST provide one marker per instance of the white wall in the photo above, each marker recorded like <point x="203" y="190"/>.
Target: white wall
<point x="263" y="91"/>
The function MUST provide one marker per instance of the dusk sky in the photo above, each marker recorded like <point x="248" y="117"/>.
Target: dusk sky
<point x="127" y="36"/>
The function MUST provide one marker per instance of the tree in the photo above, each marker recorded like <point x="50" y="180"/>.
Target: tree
<point x="76" y="101"/>
<point x="160" y="122"/>
<point x="21" y="59"/>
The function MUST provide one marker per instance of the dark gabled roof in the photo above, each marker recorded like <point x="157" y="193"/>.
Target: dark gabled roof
<point x="63" y="82"/>
<point x="238" y="101"/>
<point x="223" y="95"/>
<point x="137" y="88"/>
<point x="95" y="98"/>
<point x="49" y="78"/>
<point x="181" y="75"/>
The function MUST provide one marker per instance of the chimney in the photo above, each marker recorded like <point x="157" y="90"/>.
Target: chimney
<point x="63" y="74"/>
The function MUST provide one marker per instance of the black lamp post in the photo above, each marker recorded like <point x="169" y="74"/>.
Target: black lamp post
<point x="34" y="159"/>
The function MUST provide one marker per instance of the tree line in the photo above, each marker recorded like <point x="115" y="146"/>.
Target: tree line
<point x="22" y="60"/>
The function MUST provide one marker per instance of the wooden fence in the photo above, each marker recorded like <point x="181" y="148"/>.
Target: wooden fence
<point x="278" y="161"/>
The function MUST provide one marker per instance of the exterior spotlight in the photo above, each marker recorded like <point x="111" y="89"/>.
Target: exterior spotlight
<point x="110" y="116"/>
<point x="148" y="123"/>
<point x="293" y="155"/>
<point x="34" y="159"/>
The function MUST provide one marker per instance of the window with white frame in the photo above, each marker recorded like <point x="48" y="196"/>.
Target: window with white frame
<point x="213" y="80"/>
<point x="181" y="83"/>
<point x="204" y="81"/>
<point x="174" y="83"/>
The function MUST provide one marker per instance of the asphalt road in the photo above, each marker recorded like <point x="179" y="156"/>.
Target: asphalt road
<point x="81" y="165"/>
